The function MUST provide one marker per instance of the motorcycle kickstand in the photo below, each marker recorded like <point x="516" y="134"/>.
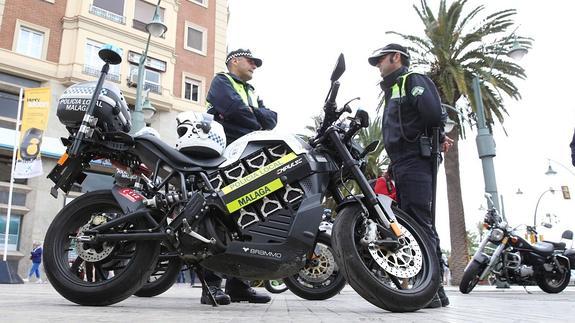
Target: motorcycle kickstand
<point x="528" y="292"/>
<point x="205" y="288"/>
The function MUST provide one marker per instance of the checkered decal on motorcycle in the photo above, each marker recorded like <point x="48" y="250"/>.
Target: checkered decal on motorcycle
<point x="216" y="138"/>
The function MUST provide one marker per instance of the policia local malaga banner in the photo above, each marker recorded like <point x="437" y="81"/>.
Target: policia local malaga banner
<point x="34" y="122"/>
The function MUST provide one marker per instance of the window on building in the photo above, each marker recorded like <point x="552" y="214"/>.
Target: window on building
<point x="192" y="89"/>
<point x="152" y="78"/>
<point x="144" y="13"/>
<point x="30" y="42"/>
<point x="6" y="173"/>
<point x="201" y="2"/>
<point x="8" y="110"/>
<point x="13" y="232"/>
<point x="93" y="63"/>
<point x="196" y="38"/>
<point x="109" y="9"/>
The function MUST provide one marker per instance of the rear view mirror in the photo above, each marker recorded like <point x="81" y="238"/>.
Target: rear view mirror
<point x="363" y="118"/>
<point x="339" y="69"/>
<point x="372" y="146"/>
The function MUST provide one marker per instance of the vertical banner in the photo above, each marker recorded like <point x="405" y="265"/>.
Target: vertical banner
<point x="34" y="122"/>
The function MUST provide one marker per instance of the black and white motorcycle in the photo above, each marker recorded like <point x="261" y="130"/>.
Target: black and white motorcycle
<point x="208" y="211"/>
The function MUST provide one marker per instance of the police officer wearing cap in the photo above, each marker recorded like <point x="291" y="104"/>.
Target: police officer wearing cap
<point x="411" y="109"/>
<point x="232" y="100"/>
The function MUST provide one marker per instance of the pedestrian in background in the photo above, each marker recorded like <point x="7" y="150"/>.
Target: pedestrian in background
<point x="36" y="257"/>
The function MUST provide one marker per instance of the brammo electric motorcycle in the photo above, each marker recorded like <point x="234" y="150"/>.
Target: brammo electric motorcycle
<point x="253" y="213"/>
<point x="515" y="260"/>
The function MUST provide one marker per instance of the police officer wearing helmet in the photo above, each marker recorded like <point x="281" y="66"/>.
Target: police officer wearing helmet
<point x="232" y="100"/>
<point x="411" y="109"/>
<point x="234" y="104"/>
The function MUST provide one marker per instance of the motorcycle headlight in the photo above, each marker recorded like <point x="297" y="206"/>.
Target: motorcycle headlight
<point x="496" y="235"/>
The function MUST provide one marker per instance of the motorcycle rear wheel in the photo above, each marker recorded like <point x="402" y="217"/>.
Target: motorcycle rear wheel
<point x="329" y="286"/>
<point x="119" y="268"/>
<point x="374" y="283"/>
<point x="554" y="283"/>
<point x="163" y="277"/>
<point x="471" y="276"/>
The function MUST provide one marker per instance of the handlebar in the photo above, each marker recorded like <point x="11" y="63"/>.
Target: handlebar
<point x="330" y="102"/>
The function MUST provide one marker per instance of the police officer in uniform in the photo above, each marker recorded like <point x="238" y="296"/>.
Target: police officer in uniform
<point x="234" y="104"/>
<point x="412" y="108"/>
<point x="233" y="101"/>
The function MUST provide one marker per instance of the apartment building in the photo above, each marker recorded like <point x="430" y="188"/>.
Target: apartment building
<point x="55" y="43"/>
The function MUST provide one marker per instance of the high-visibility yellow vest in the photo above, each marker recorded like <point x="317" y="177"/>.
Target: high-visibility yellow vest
<point x="397" y="92"/>
<point x="246" y="92"/>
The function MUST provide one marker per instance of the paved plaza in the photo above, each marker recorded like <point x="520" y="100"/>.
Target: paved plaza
<point x="41" y="303"/>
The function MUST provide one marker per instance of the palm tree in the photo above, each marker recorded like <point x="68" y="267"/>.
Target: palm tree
<point x="377" y="159"/>
<point x="455" y="48"/>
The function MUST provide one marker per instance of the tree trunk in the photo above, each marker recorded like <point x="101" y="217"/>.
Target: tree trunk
<point x="458" y="233"/>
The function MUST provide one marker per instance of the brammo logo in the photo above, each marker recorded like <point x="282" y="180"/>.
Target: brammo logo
<point x="264" y="253"/>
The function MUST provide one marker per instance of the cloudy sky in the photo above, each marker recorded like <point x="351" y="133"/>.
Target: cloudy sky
<point x="299" y="42"/>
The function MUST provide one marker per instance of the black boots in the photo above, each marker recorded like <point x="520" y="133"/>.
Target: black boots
<point x="219" y="295"/>
<point x="236" y="295"/>
<point x="439" y="300"/>
<point x="248" y="295"/>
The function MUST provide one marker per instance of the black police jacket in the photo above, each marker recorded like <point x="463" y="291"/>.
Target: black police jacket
<point x="230" y="110"/>
<point x="414" y="112"/>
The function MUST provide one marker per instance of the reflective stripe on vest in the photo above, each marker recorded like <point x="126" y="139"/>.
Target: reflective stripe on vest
<point x="396" y="91"/>
<point x="248" y="96"/>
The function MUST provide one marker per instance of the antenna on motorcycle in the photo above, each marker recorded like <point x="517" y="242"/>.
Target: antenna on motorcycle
<point x="110" y="54"/>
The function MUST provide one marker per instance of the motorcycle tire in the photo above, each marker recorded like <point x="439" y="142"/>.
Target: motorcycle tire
<point x="120" y="268"/>
<point x="276" y="286"/>
<point x="471" y="276"/>
<point x="165" y="274"/>
<point x="374" y="283"/>
<point x="301" y="285"/>
<point x="554" y="283"/>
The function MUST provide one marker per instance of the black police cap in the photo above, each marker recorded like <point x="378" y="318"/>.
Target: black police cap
<point x="243" y="53"/>
<point x="391" y="48"/>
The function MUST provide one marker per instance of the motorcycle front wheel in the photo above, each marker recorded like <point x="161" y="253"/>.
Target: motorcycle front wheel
<point x="321" y="278"/>
<point x="404" y="280"/>
<point x="95" y="273"/>
<point x="471" y="276"/>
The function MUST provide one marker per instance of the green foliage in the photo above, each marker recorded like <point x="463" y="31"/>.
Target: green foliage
<point x="472" y="242"/>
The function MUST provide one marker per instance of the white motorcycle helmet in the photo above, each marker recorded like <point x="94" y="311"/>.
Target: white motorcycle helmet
<point x="199" y="135"/>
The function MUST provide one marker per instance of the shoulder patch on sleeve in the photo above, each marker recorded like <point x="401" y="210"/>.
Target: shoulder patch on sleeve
<point x="417" y="90"/>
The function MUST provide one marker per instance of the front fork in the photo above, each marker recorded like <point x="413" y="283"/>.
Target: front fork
<point x="374" y="204"/>
<point x="481" y="257"/>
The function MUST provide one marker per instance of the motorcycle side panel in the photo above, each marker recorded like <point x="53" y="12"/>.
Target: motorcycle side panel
<point x="236" y="150"/>
<point x="128" y="199"/>
<point x="251" y="260"/>
<point x="570" y="254"/>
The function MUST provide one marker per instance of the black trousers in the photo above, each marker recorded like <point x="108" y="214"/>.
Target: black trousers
<point x="414" y="183"/>
<point x="232" y="283"/>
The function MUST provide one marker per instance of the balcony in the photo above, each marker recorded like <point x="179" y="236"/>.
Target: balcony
<point x="155" y="88"/>
<point x="95" y="71"/>
<point x="107" y="14"/>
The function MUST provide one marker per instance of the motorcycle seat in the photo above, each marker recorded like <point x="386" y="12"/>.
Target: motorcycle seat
<point x="177" y="157"/>
<point x="557" y="245"/>
<point x="543" y="247"/>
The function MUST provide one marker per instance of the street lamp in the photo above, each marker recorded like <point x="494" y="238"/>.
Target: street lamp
<point x="552" y="190"/>
<point x="551" y="171"/>
<point x="155" y="28"/>
<point x="484" y="139"/>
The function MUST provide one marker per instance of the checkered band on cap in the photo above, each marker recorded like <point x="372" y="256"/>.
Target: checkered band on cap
<point x="245" y="53"/>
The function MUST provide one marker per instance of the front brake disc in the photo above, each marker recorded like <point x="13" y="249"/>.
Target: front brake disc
<point x="405" y="262"/>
